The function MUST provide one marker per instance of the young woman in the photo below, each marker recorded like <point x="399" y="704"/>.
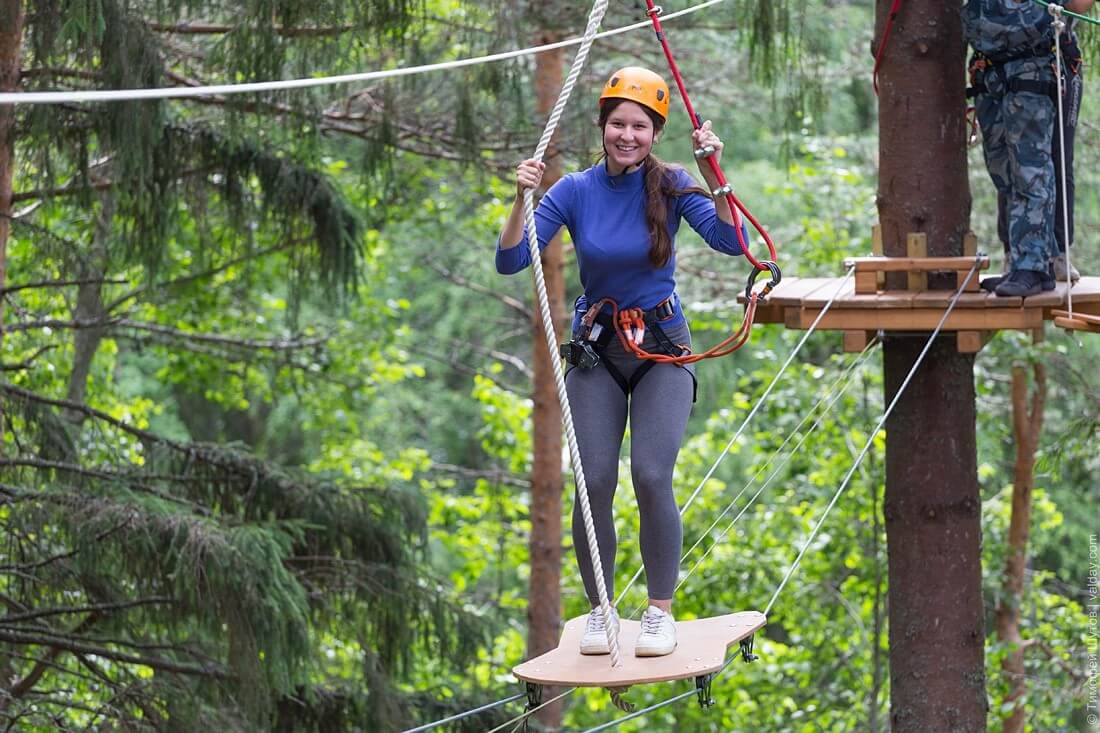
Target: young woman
<point x="623" y="214"/>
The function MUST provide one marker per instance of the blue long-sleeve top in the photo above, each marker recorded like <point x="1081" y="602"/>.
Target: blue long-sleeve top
<point x="605" y="216"/>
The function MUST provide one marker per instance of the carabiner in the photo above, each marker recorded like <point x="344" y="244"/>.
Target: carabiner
<point x="776" y="277"/>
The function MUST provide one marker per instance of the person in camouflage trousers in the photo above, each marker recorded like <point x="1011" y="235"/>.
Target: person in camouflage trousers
<point x="1072" y="91"/>
<point x="1013" y="72"/>
<point x="1016" y="138"/>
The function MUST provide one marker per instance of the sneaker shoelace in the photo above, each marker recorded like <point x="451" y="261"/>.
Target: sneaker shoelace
<point x="651" y="623"/>
<point x="595" y="621"/>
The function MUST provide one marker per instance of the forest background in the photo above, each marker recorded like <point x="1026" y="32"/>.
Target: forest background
<point x="267" y="404"/>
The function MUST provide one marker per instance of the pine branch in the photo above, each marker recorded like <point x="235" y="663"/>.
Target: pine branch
<point x="54" y="71"/>
<point x="187" y="27"/>
<point x="91" y="608"/>
<point x="100" y="185"/>
<point x="513" y="303"/>
<point x="251" y="344"/>
<point x="24" y="567"/>
<point x="19" y="688"/>
<point x="73" y="325"/>
<point x="22" y="638"/>
<point x="29" y="361"/>
<point x="503" y="477"/>
<point x="428" y="143"/>
<point x="184" y="280"/>
<point x="62" y="284"/>
<point x="134" y="482"/>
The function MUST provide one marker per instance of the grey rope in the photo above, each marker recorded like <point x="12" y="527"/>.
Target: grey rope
<point x="594" y="18"/>
<point x="1059" y="26"/>
<point x="528" y="713"/>
<point x="466" y="714"/>
<point x="618" y="721"/>
<point x="901" y="390"/>
<point x="832" y="397"/>
<point x="752" y="413"/>
<point x="871" y="439"/>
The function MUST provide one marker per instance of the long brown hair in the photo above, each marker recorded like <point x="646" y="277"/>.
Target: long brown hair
<point x="660" y="178"/>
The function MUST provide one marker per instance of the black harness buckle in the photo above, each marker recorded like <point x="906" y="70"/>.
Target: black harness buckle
<point x="580" y="354"/>
<point x="665" y="309"/>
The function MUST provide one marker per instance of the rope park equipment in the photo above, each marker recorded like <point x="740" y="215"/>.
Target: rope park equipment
<point x="1064" y="319"/>
<point x="703" y="691"/>
<point x="595" y="17"/>
<point x="1056" y="9"/>
<point x="122" y="95"/>
<point x="630" y="323"/>
<point x="1060" y="26"/>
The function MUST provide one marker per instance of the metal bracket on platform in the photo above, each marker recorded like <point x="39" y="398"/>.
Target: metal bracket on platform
<point x="534" y="699"/>
<point x="746" y="649"/>
<point x="534" y="695"/>
<point x="702" y="688"/>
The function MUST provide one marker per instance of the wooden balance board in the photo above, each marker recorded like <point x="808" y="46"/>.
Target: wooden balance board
<point x="701" y="650"/>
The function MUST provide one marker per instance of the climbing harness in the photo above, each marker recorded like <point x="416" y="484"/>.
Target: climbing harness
<point x="588" y="349"/>
<point x="631" y="325"/>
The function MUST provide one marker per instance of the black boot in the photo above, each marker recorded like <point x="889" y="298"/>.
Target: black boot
<point x="990" y="284"/>
<point x="1024" y="283"/>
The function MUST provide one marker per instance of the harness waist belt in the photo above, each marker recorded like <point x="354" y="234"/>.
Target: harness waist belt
<point x="1045" y="88"/>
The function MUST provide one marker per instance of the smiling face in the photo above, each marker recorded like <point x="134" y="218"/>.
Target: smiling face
<point x="628" y="136"/>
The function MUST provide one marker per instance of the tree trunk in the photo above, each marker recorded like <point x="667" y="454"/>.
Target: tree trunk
<point x="933" y="506"/>
<point x="11" y="47"/>
<point x="89" y="307"/>
<point x="544" y="597"/>
<point x="1027" y="426"/>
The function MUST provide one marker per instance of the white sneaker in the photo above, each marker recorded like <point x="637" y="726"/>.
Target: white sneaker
<point x="1059" y="262"/>
<point x="594" y="640"/>
<point x="658" y="636"/>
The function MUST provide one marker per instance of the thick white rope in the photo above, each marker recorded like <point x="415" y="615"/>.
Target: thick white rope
<point x="594" y="18"/>
<point x="120" y="95"/>
<point x="1059" y="26"/>
<point x="752" y="413"/>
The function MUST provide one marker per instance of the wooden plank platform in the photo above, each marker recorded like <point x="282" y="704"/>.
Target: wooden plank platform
<point x="797" y="302"/>
<point x="701" y="649"/>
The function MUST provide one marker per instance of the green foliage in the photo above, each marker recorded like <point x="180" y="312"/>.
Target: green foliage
<point x="303" y="446"/>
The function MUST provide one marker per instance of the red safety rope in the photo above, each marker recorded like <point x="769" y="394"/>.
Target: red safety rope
<point x="630" y="323"/>
<point x="723" y="186"/>
<point x="885" y="39"/>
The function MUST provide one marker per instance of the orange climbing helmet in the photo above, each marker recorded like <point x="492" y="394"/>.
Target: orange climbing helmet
<point x="638" y="85"/>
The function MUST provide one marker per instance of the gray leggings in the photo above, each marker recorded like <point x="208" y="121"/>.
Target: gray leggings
<point x="658" y="408"/>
